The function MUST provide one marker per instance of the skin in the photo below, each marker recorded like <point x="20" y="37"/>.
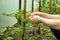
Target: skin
<point x="46" y="15"/>
<point x="52" y="21"/>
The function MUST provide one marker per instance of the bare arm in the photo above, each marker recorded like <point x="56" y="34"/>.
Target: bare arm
<point x="50" y="16"/>
<point x="53" y="23"/>
<point x="54" y="16"/>
<point x="46" y="15"/>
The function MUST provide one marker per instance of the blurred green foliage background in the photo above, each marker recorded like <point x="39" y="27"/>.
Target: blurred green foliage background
<point x="11" y="25"/>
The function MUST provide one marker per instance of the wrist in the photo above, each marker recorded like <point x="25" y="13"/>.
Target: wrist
<point x="40" y="19"/>
<point x="48" y="16"/>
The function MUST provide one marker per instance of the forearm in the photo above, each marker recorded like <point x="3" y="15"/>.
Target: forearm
<point x="53" y="23"/>
<point x="54" y="16"/>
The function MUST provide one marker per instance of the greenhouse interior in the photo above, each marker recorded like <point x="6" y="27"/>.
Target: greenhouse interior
<point x="29" y="19"/>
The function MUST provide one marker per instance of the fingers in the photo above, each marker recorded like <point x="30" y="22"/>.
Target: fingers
<point x="31" y="19"/>
<point x="41" y="14"/>
<point x="36" y="16"/>
<point x="35" y="13"/>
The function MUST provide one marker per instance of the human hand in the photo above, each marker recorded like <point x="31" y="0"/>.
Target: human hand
<point x="41" y="14"/>
<point x="35" y="19"/>
<point x="38" y="17"/>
